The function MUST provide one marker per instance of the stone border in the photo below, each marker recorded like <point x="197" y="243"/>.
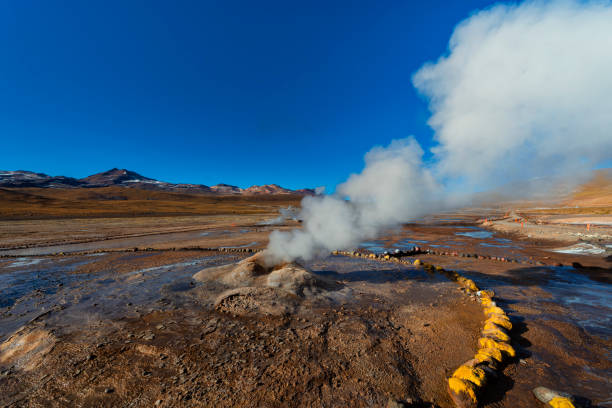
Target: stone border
<point x="137" y="249"/>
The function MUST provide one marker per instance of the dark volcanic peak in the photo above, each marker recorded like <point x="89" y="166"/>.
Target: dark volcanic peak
<point x="267" y="189"/>
<point x="22" y="175"/>
<point x="117" y="177"/>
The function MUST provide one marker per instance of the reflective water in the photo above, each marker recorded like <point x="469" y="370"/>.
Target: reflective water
<point x="480" y="234"/>
<point x="54" y="285"/>
<point x="587" y="303"/>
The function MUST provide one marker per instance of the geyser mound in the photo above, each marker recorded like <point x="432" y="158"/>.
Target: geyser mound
<point x="258" y="287"/>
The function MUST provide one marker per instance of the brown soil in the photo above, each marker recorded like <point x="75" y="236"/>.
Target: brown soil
<point x="379" y="332"/>
<point x="51" y="203"/>
<point x="376" y="331"/>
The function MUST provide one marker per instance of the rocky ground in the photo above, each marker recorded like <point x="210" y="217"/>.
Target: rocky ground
<point x="175" y="328"/>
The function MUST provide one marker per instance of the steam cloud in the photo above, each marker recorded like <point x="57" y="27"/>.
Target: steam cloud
<point x="525" y="91"/>
<point x="393" y="188"/>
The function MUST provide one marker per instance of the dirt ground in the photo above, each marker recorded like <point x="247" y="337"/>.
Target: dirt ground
<point x="383" y="332"/>
<point x="87" y="321"/>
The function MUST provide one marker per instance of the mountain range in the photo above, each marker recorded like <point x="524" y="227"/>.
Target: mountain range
<point x="127" y="178"/>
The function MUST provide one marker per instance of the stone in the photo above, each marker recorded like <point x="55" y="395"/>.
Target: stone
<point x="395" y="403"/>
<point x="552" y="398"/>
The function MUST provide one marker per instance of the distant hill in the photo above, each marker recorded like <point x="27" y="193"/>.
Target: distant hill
<point x="226" y="189"/>
<point x="126" y="178"/>
<point x="596" y="192"/>
<point x="267" y="189"/>
<point x="22" y="178"/>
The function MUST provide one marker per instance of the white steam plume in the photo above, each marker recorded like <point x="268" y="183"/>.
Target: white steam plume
<point x="524" y="91"/>
<point x="394" y="187"/>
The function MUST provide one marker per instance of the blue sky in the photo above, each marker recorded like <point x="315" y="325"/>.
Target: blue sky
<point x="239" y="92"/>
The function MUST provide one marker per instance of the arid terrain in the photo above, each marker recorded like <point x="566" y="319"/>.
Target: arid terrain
<point x="139" y="301"/>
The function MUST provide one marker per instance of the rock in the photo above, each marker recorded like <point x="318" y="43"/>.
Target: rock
<point x="263" y="288"/>
<point x="109" y="390"/>
<point x="462" y="392"/>
<point x="554" y="398"/>
<point x="395" y="403"/>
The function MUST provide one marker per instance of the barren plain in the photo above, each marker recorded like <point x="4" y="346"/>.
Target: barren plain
<point x="102" y="304"/>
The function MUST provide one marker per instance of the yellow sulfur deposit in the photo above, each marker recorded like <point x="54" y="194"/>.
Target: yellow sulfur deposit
<point x="496" y="334"/>
<point x="471" y="374"/>
<point x="485" y="353"/>
<point x="487" y="302"/>
<point x="489" y="325"/>
<point x="501" y="321"/>
<point x="487" y="293"/>
<point x="463" y="388"/>
<point x="494" y="310"/>
<point x="470" y="285"/>
<point x="561" y="402"/>
<point x="484" y="342"/>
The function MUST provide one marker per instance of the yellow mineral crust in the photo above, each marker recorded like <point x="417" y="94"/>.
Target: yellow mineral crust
<point x="561" y="402"/>
<point x="501" y="321"/>
<point x="485" y="353"/>
<point x="471" y="374"/>
<point x="494" y="310"/>
<point x="484" y="342"/>
<point x="486" y="301"/>
<point x="487" y="293"/>
<point x="462" y="388"/>
<point x="496" y="334"/>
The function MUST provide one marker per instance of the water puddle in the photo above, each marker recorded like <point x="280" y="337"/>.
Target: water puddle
<point x="380" y="246"/>
<point x="82" y="297"/>
<point x="358" y="270"/>
<point x="21" y="262"/>
<point x="479" y="234"/>
<point x="490" y="245"/>
<point x="588" y="303"/>
<point x="581" y="249"/>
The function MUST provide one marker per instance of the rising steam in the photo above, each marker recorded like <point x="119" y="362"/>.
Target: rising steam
<point x="394" y="187"/>
<point x="525" y="91"/>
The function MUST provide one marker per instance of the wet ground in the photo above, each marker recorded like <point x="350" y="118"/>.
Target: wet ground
<point x="134" y="328"/>
<point x="141" y="334"/>
<point x="563" y="313"/>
